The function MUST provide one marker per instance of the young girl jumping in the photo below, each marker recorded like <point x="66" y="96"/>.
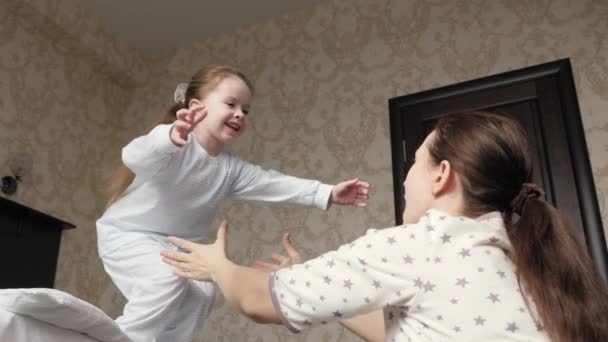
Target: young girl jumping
<point x="172" y="182"/>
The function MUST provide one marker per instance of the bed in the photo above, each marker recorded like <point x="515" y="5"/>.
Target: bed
<point x="49" y="315"/>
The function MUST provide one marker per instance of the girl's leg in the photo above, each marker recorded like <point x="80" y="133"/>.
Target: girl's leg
<point x="161" y="306"/>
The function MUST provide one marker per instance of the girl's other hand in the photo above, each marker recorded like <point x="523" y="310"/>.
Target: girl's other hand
<point x="350" y="192"/>
<point x="186" y="120"/>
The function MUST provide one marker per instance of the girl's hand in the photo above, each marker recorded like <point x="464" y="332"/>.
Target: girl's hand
<point x="187" y="119"/>
<point x="202" y="261"/>
<point x="293" y="257"/>
<point x="349" y="192"/>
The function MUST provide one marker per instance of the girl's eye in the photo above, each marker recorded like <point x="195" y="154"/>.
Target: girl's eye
<point x="246" y="112"/>
<point x="230" y="104"/>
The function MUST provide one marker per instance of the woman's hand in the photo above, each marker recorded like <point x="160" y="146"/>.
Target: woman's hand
<point x="186" y="120"/>
<point x="293" y="257"/>
<point x="201" y="262"/>
<point x="350" y="192"/>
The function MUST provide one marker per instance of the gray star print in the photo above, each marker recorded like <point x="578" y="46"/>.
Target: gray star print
<point x="512" y="327"/>
<point x="462" y="282"/>
<point x="493" y="297"/>
<point x="480" y="320"/>
<point x="465" y="253"/>
<point x="445" y="238"/>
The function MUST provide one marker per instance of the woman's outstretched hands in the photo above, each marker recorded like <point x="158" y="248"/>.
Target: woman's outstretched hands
<point x="201" y="261"/>
<point x="293" y="257"/>
<point x="350" y="192"/>
<point x="186" y="120"/>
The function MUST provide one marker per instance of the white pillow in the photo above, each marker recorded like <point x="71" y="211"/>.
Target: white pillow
<point x="63" y="310"/>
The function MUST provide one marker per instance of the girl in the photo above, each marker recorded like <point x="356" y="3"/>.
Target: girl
<point x="481" y="257"/>
<point x="172" y="183"/>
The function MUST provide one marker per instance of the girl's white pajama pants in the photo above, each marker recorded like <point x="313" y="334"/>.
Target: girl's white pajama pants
<point x="162" y="307"/>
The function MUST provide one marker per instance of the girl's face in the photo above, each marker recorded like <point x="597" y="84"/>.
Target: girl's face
<point x="227" y="107"/>
<point x="418" y="184"/>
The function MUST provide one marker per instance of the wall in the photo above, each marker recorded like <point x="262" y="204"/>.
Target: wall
<point x="62" y="101"/>
<point x="323" y="77"/>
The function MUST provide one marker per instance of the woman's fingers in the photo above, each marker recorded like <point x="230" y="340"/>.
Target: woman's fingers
<point x="295" y="256"/>
<point x="264" y="266"/>
<point x="279" y="258"/>
<point x="221" y="234"/>
<point x="177" y="264"/>
<point x="183" y="244"/>
<point x="175" y="256"/>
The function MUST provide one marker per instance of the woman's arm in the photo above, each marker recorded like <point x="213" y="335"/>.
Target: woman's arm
<point x="247" y="289"/>
<point x="339" y="284"/>
<point x="244" y="287"/>
<point x="369" y="327"/>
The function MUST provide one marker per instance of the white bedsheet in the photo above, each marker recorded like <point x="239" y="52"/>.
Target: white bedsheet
<point x="51" y="315"/>
<point x="17" y="328"/>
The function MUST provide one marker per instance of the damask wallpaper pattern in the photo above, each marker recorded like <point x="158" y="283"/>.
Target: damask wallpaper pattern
<point x="323" y="77"/>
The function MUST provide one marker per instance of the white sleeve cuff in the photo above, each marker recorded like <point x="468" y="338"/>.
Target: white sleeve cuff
<point x="323" y="196"/>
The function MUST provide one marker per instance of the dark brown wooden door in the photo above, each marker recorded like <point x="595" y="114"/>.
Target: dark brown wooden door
<point x="542" y="98"/>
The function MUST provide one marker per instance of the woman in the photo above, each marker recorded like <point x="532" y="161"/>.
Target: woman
<point x="481" y="256"/>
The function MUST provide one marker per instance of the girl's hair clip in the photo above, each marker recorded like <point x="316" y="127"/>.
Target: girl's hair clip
<point x="180" y="93"/>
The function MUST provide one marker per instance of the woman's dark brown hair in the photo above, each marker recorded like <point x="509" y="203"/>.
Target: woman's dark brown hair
<point x="202" y="82"/>
<point x="489" y="152"/>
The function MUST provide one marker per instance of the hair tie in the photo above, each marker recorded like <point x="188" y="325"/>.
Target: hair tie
<point x="528" y="191"/>
<point x="180" y="93"/>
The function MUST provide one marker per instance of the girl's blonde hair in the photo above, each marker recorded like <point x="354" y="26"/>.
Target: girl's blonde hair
<point x="201" y="83"/>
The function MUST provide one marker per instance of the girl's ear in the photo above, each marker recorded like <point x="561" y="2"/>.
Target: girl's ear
<point x="194" y="102"/>
<point x="443" y="177"/>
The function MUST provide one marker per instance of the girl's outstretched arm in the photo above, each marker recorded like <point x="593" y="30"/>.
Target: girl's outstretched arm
<point x="350" y="192"/>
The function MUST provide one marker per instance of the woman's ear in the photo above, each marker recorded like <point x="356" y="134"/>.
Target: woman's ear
<point x="443" y="178"/>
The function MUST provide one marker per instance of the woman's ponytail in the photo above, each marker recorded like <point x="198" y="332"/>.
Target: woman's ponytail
<point x="553" y="269"/>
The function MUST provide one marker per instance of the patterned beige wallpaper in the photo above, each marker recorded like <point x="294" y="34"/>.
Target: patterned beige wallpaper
<point x="323" y="78"/>
<point x="61" y="102"/>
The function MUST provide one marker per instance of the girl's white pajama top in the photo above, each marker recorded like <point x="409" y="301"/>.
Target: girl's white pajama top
<point x="177" y="190"/>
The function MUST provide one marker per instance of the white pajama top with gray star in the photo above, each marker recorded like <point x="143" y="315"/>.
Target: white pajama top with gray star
<point x="442" y="279"/>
